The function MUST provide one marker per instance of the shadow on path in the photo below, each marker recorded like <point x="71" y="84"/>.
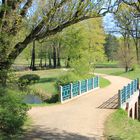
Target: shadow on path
<point x="111" y="103"/>
<point x="38" y="133"/>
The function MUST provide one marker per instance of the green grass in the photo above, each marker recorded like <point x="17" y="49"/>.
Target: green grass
<point x="47" y="80"/>
<point x="119" y="72"/>
<point x="24" y="62"/>
<point x="119" y="127"/>
<point x="107" y="65"/>
<point x="104" y="82"/>
<point x="131" y="75"/>
<point x="27" y="123"/>
<point x="110" y="71"/>
<point x="46" y="85"/>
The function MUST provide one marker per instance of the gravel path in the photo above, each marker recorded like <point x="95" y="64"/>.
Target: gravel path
<point x="80" y="119"/>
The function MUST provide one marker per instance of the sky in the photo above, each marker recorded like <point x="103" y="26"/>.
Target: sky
<point x="109" y="25"/>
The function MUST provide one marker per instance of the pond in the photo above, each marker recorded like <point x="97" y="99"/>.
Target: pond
<point x="32" y="99"/>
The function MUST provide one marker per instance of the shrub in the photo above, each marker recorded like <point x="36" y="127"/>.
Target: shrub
<point x="71" y="77"/>
<point x="28" y="79"/>
<point x="53" y="99"/>
<point x="66" y="79"/>
<point x="12" y="112"/>
<point x="134" y="67"/>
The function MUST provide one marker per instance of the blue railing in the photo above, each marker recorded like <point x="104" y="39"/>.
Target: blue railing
<point x="66" y="92"/>
<point x="128" y="91"/>
<point x="77" y="88"/>
<point x="83" y="86"/>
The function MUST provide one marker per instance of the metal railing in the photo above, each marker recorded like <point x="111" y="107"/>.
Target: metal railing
<point x="78" y="88"/>
<point x="127" y="91"/>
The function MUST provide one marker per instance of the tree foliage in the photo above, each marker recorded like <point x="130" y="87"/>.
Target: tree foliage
<point x="126" y="54"/>
<point x="25" y="21"/>
<point x="128" y="23"/>
<point x="12" y="112"/>
<point x="111" y="47"/>
<point x="54" y="16"/>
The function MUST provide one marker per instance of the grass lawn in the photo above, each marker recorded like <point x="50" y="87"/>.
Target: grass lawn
<point x="104" y="82"/>
<point x="107" y="65"/>
<point x="48" y="78"/>
<point x="24" y="62"/>
<point x="110" y="71"/>
<point x="119" y="127"/>
<point x="119" y="72"/>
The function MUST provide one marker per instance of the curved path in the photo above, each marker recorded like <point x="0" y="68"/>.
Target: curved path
<point x="80" y="119"/>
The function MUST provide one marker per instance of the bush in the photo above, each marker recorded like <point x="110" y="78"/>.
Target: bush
<point x="66" y="79"/>
<point x="28" y="79"/>
<point x="12" y="112"/>
<point x="134" y="67"/>
<point x="53" y="99"/>
<point x="71" y="77"/>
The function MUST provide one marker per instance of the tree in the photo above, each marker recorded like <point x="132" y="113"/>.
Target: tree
<point x="129" y="24"/>
<point x="94" y="41"/>
<point x="13" y="112"/>
<point x="125" y="54"/>
<point x="54" y="16"/>
<point x="84" y="46"/>
<point x="72" y="40"/>
<point x="54" y="51"/>
<point x="111" y="47"/>
<point x="32" y="66"/>
<point x="134" y="5"/>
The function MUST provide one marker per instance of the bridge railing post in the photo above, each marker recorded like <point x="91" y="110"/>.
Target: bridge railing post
<point x="129" y="90"/>
<point x="125" y="93"/>
<point x="98" y="81"/>
<point x="61" y="94"/>
<point x="79" y="87"/>
<point x="87" y="85"/>
<point x="137" y="83"/>
<point x="71" y="93"/>
<point x="93" y="82"/>
<point x="119" y="98"/>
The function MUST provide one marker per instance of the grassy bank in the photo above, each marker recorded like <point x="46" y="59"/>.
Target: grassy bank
<point x="104" y="82"/>
<point x="119" y="127"/>
<point x="119" y="72"/>
<point x="48" y="78"/>
<point x="107" y="65"/>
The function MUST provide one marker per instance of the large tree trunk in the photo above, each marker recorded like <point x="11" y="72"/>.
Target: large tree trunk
<point x="3" y="77"/>
<point x="68" y="62"/>
<point x="50" y="59"/>
<point x="58" y="62"/>
<point x="137" y="53"/>
<point x="54" y="57"/>
<point x="58" y="56"/>
<point x="40" y="62"/>
<point x="32" y="67"/>
<point x="45" y="65"/>
<point x="126" y="69"/>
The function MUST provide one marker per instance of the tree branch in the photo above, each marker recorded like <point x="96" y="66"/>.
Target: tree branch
<point x="26" y="7"/>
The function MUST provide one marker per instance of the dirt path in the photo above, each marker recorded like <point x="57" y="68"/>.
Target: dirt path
<point x="80" y="119"/>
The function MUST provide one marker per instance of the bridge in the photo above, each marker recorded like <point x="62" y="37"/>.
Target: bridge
<point x="80" y="119"/>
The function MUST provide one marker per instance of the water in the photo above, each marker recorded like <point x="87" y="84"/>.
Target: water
<point x="32" y="99"/>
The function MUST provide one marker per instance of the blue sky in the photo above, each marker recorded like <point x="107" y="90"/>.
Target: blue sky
<point x="109" y="24"/>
